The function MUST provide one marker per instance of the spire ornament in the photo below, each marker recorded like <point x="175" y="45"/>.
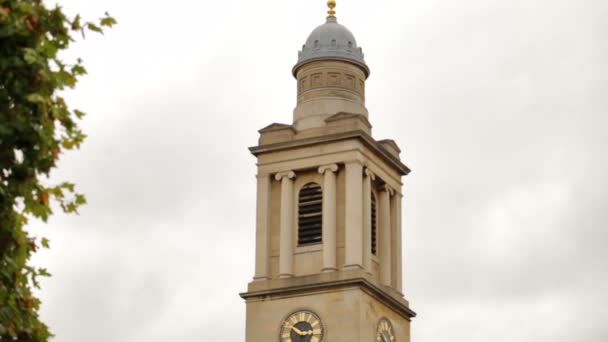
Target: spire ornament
<point x="331" y="4"/>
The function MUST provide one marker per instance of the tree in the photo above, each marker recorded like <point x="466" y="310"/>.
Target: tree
<point x="36" y="126"/>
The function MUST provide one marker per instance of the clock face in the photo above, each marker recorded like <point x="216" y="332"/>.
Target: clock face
<point x="385" y="333"/>
<point x="302" y="326"/>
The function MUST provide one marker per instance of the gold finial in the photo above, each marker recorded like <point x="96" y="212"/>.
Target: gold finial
<point x="331" y="4"/>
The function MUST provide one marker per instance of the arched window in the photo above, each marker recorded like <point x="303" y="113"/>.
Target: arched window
<point x="310" y="214"/>
<point x="374" y="239"/>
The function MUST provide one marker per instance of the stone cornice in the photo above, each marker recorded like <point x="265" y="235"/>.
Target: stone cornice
<point x="361" y="283"/>
<point x="357" y="134"/>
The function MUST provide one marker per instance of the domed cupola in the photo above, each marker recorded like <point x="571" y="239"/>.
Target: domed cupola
<point x="331" y="75"/>
<point x="331" y="41"/>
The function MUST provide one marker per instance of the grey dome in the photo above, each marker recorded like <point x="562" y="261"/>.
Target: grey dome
<point x="331" y="41"/>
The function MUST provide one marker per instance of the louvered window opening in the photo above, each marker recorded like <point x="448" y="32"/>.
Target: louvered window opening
<point x="374" y="244"/>
<point x="310" y="214"/>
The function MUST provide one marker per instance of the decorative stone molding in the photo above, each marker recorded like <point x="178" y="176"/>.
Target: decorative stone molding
<point x="328" y="282"/>
<point x="330" y="167"/>
<point x="387" y="188"/>
<point x="289" y="174"/>
<point x="362" y="136"/>
<point x="331" y="79"/>
<point x="367" y="172"/>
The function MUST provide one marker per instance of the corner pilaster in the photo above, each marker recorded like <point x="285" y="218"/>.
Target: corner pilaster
<point x="385" y="236"/>
<point x="367" y="219"/>
<point x="262" y="230"/>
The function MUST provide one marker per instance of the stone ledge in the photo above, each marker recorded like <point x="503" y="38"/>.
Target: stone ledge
<point x="357" y="134"/>
<point x="263" y="290"/>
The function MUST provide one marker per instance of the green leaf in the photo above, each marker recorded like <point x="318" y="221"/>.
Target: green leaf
<point x="45" y="243"/>
<point x="80" y="199"/>
<point x="76" y="23"/>
<point x="50" y="49"/>
<point x="94" y="28"/>
<point x="68" y="186"/>
<point x="65" y="78"/>
<point x="78" y="70"/>
<point x="43" y="272"/>
<point x="79" y="114"/>
<point x="36" y="98"/>
<point x="31" y="56"/>
<point x="107" y="21"/>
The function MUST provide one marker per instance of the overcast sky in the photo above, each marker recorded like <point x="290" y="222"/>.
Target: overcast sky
<point x="500" y="108"/>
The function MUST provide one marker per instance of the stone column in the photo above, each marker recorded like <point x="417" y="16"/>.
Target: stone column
<point x="396" y="247"/>
<point x="385" y="236"/>
<point x="262" y="229"/>
<point x="329" y="217"/>
<point x="286" y="224"/>
<point x="353" y="221"/>
<point x="367" y="220"/>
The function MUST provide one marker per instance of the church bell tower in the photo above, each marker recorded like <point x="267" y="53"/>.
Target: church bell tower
<point x="328" y="264"/>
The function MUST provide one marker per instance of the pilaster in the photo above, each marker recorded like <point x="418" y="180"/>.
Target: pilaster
<point x="367" y="220"/>
<point x="385" y="236"/>
<point x="286" y="224"/>
<point x="262" y="231"/>
<point x="329" y="217"/>
<point x="353" y="216"/>
<point x="397" y="242"/>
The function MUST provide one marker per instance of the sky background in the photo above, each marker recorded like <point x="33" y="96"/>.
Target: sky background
<point x="500" y="108"/>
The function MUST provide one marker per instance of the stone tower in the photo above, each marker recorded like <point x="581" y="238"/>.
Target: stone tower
<point x="328" y="229"/>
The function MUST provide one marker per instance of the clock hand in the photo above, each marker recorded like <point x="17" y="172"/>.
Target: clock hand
<point x="298" y="331"/>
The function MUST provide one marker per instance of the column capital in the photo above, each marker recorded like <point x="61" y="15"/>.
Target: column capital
<point x="388" y="189"/>
<point x="329" y="167"/>
<point x="288" y="174"/>
<point x="369" y="173"/>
